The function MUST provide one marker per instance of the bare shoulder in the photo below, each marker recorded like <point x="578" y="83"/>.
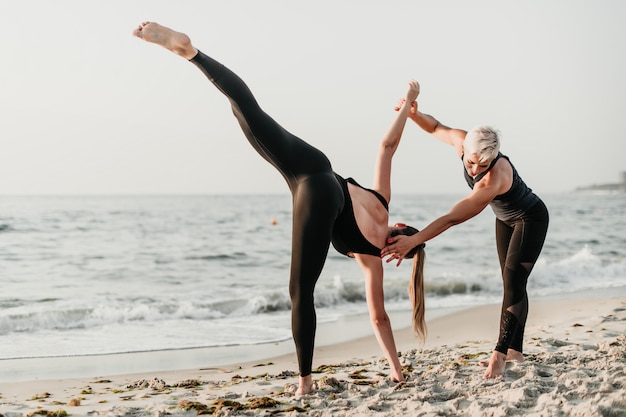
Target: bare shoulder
<point x="500" y="178"/>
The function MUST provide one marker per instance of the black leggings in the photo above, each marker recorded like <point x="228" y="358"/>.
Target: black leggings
<point x="316" y="193"/>
<point x="519" y="244"/>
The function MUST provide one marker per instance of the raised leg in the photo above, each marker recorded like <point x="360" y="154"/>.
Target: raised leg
<point x="177" y="42"/>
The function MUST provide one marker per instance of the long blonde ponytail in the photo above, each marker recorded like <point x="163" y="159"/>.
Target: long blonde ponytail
<point x="416" y="294"/>
<point x="416" y="284"/>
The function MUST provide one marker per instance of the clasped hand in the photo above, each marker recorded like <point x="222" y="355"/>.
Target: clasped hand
<point x="411" y="96"/>
<point x="397" y="248"/>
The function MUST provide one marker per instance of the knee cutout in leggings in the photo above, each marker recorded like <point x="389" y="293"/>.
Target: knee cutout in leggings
<point x="513" y="322"/>
<point x="508" y="328"/>
<point x="519" y="310"/>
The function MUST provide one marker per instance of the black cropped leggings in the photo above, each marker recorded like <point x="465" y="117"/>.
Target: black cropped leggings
<point x="316" y="194"/>
<point x="519" y="244"/>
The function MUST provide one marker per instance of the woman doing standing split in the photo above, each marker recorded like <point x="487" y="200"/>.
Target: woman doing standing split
<point x="326" y="207"/>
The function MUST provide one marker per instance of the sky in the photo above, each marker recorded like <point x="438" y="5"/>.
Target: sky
<point x="88" y="109"/>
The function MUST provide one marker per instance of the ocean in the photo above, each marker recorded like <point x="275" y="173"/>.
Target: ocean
<point x="94" y="275"/>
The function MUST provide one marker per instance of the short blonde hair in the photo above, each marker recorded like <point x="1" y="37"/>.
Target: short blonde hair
<point x="483" y="141"/>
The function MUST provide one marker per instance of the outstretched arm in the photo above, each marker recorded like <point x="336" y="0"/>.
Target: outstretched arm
<point x="373" y="272"/>
<point x="390" y="142"/>
<point x="428" y="123"/>
<point x="470" y="206"/>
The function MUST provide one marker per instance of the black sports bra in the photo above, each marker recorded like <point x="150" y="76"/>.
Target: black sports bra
<point x="513" y="204"/>
<point x="347" y="238"/>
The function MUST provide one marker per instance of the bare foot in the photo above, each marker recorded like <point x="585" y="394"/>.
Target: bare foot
<point x="396" y="377"/>
<point x="306" y="385"/>
<point x="496" y="365"/>
<point x="512" y="355"/>
<point x="177" y="42"/>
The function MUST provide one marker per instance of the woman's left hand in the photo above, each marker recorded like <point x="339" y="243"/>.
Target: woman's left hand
<point x="411" y="96"/>
<point x="414" y="90"/>
<point x="397" y="248"/>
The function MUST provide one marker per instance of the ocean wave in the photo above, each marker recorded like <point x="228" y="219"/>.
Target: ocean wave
<point x="218" y="257"/>
<point x="65" y="316"/>
<point x="210" y="270"/>
<point x="582" y="270"/>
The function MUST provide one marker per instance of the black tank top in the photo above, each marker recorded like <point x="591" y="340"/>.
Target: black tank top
<point x="513" y="204"/>
<point x="347" y="237"/>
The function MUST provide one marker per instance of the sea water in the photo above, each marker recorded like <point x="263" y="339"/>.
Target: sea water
<point x="90" y="275"/>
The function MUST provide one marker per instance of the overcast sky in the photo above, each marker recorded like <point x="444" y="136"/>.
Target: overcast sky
<point x="88" y="109"/>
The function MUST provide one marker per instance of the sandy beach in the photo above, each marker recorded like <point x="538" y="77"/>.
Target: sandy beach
<point x="575" y="366"/>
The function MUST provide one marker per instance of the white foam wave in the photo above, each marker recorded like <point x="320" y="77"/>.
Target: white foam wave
<point x="584" y="270"/>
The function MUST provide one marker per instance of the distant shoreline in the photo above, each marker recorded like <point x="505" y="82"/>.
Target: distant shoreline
<point x="617" y="188"/>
